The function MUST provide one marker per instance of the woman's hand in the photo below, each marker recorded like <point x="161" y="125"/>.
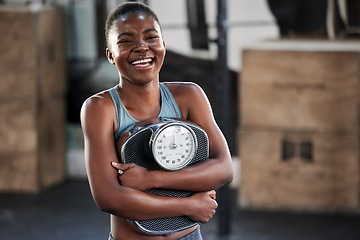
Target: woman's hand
<point x="203" y="206"/>
<point x="132" y="176"/>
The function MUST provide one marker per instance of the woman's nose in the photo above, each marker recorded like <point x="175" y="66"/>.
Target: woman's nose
<point x="141" y="46"/>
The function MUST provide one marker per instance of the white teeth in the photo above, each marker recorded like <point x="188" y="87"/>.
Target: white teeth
<point x="141" y="61"/>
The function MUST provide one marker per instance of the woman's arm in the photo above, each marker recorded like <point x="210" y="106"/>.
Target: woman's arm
<point x="206" y="175"/>
<point x="98" y="122"/>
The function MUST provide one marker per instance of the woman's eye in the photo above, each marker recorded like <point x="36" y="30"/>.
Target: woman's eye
<point x="152" y="37"/>
<point x="124" y="41"/>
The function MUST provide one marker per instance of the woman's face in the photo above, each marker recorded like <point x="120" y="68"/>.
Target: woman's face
<point x="136" y="48"/>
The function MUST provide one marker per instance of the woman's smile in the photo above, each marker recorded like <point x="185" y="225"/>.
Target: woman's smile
<point x="143" y="64"/>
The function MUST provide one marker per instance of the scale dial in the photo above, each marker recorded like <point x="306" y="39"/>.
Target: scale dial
<point x="173" y="146"/>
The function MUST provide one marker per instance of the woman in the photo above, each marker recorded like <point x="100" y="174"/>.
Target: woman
<point x="136" y="47"/>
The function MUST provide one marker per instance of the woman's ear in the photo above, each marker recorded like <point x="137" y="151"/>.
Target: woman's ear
<point x="164" y="46"/>
<point x="110" y="56"/>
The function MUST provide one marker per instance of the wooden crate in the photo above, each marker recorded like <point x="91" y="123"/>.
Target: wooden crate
<point x="32" y="52"/>
<point x="299" y="126"/>
<point x="32" y="98"/>
<point x="284" y="170"/>
<point x="32" y="144"/>
<point x="299" y="87"/>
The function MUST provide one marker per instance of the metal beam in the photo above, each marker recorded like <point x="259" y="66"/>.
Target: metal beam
<point x="222" y="110"/>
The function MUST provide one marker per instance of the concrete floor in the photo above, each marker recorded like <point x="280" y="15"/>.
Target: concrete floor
<point x="68" y="212"/>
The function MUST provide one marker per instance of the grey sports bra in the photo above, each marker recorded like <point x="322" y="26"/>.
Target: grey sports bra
<point x="125" y="121"/>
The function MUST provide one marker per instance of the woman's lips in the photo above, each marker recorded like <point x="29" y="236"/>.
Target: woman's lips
<point x="143" y="64"/>
<point x="141" y="61"/>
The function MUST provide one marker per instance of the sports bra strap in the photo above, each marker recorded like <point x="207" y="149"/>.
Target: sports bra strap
<point x="170" y="99"/>
<point x="116" y="99"/>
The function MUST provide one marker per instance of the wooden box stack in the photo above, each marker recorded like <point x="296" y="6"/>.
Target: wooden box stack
<point x="32" y="98"/>
<point x="299" y="127"/>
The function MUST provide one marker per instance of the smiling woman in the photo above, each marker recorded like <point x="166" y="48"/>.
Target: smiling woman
<point x="136" y="47"/>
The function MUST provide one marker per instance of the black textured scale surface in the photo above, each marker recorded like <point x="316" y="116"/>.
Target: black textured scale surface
<point x="137" y="150"/>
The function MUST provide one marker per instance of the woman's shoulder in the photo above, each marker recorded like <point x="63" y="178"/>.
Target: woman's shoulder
<point x="183" y="88"/>
<point x="189" y="96"/>
<point x="99" y="103"/>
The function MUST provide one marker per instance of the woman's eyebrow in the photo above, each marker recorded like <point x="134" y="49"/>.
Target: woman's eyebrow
<point x="130" y="34"/>
<point x="124" y="34"/>
<point x="150" y="30"/>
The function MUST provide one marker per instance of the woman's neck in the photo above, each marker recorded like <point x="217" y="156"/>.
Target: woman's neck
<point x="141" y="101"/>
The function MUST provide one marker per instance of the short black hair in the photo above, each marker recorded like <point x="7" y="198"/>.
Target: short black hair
<point x="125" y="9"/>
